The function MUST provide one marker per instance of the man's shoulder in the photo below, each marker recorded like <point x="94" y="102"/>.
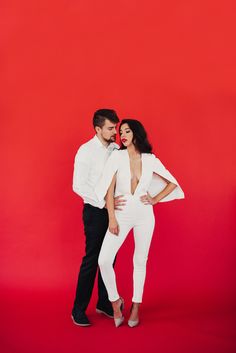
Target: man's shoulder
<point x="88" y="145"/>
<point x="85" y="151"/>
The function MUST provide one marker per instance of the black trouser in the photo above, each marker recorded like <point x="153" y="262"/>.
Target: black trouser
<point x="95" y="227"/>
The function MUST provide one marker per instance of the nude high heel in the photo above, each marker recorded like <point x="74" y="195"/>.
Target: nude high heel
<point x="118" y="321"/>
<point x="133" y="323"/>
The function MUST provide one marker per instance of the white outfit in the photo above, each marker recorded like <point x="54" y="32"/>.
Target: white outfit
<point x="134" y="214"/>
<point x="89" y="163"/>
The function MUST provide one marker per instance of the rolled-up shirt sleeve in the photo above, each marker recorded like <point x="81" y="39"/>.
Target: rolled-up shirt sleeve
<point x="109" y="171"/>
<point x="158" y="184"/>
<point x="80" y="175"/>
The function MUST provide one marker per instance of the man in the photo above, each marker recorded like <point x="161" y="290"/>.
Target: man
<point x="89" y="163"/>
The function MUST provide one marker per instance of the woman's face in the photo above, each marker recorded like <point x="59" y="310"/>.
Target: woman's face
<point x="126" y="135"/>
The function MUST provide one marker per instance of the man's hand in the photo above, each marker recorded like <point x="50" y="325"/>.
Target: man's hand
<point x="147" y="199"/>
<point x="119" y="202"/>
<point x="113" y="226"/>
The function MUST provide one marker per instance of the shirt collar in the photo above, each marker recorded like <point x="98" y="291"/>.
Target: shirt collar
<point x="98" y="142"/>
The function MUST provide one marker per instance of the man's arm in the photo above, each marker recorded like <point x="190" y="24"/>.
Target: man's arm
<point x="80" y="175"/>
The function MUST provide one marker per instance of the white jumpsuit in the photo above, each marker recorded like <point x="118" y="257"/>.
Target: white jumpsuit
<point x="134" y="215"/>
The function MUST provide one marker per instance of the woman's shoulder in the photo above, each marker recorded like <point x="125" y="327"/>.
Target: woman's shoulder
<point x="116" y="154"/>
<point x="149" y="156"/>
<point x="120" y="152"/>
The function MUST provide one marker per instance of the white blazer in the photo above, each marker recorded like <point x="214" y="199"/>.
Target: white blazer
<point x="150" y="180"/>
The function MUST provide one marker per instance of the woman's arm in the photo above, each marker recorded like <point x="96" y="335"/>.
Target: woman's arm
<point x="166" y="191"/>
<point x="147" y="199"/>
<point x="113" y="225"/>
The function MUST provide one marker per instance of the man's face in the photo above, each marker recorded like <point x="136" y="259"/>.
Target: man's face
<point x="108" y="131"/>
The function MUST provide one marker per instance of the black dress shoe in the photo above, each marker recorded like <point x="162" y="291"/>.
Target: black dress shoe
<point x="80" y="318"/>
<point x="105" y="309"/>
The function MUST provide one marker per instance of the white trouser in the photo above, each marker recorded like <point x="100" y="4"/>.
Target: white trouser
<point x="140" y="217"/>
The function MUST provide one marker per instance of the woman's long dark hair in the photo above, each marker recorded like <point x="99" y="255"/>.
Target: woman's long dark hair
<point x="140" y="139"/>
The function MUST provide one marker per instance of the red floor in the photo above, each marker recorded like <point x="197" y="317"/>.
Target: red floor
<point x="40" y="322"/>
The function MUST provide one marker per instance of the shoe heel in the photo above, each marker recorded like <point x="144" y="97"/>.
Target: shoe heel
<point x="132" y="323"/>
<point x="119" y="321"/>
<point x="122" y="305"/>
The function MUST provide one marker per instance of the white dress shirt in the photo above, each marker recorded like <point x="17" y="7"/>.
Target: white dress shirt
<point x="89" y="163"/>
<point x="150" y="180"/>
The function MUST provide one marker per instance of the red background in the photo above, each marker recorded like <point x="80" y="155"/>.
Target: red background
<point x="170" y="64"/>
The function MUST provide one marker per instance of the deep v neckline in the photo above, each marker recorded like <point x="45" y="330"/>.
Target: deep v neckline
<point x="130" y="174"/>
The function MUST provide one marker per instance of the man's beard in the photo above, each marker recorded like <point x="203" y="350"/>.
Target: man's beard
<point x="111" y="139"/>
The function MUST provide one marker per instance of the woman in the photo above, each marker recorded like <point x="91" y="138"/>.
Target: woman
<point x="130" y="172"/>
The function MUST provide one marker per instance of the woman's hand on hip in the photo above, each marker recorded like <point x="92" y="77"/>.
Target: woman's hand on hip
<point x="113" y="226"/>
<point x="147" y="199"/>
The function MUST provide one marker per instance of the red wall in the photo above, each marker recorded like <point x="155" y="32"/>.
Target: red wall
<point x="170" y="64"/>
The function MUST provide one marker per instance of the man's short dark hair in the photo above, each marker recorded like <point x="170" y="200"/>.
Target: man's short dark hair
<point x="102" y="114"/>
